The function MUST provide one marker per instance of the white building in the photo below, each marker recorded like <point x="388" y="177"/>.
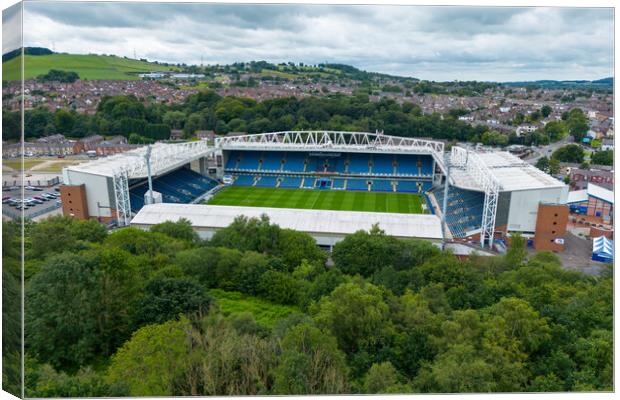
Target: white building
<point x="327" y="227"/>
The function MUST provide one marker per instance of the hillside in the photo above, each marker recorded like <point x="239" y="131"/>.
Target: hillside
<point x="88" y="66"/>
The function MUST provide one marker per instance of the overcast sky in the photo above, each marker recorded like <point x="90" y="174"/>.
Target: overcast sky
<point x="437" y="43"/>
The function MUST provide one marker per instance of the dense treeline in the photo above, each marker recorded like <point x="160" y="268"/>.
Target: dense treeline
<point x="129" y="116"/>
<point x="154" y="313"/>
<point x="126" y="115"/>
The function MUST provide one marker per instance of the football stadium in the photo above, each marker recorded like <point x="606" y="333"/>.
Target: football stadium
<point x="328" y="184"/>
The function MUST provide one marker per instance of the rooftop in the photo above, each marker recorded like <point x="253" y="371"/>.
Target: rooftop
<point x="510" y="171"/>
<point x="310" y="221"/>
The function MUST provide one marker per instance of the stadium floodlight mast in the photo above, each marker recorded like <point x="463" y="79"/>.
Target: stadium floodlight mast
<point x="444" y="207"/>
<point x="147" y="159"/>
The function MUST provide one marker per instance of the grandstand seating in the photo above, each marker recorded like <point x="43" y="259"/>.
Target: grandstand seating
<point x="272" y="161"/>
<point x="338" y="183"/>
<point x="248" y="160"/>
<point x="357" y="184"/>
<point x="244" y="180"/>
<point x="409" y="165"/>
<point x="267" y="181"/>
<point x="180" y="186"/>
<point x="358" y="163"/>
<point x="294" y="161"/>
<point x="464" y="209"/>
<point x="407" y="186"/>
<point x="290" y="182"/>
<point x="381" y="185"/>
<point x="382" y="164"/>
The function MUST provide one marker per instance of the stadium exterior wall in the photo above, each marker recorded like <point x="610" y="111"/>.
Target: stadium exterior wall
<point x="524" y="206"/>
<point x="99" y="193"/>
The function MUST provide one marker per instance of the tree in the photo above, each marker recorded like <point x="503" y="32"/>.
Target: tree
<point x="545" y="111"/>
<point x="64" y="121"/>
<point x="278" y="287"/>
<point x="355" y="313"/>
<point x="543" y="164"/>
<point x="554" y="166"/>
<point x="182" y="229"/>
<point x="168" y="298"/>
<point x="310" y="363"/>
<point x="517" y="251"/>
<point x="383" y="378"/>
<point x="556" y="130"/>
<point x="153" y="359"/>
<point x="174" y="119"/>
<point x="577" y="124"/>
<point x="605" y="157"/>
<point x="78" y="307"/>
<point x="572" y="153"/>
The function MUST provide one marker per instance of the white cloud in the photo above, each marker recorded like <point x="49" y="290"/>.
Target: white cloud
<point x="439" y="43"/>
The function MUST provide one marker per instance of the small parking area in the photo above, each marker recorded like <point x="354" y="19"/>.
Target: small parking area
<point x="43" y="200"/>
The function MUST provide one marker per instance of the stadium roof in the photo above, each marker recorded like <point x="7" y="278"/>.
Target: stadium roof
<point x="311" y="221"/>
<point x="164" y="157"/>
<point x="509" y="171"/>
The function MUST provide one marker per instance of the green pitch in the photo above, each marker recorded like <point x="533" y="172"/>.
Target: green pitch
<point x="319" y="199"/>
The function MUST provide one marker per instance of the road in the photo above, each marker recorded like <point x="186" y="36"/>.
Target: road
<point x="547" y="150"/>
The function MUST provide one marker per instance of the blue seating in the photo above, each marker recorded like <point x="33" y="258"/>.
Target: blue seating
<point x="427" y="165"/>
<point x="290" y="182"/>
<point x="382" y="164"/>
<point x="248" y="160"/>
<point x="407" y="186"/>
<point x="464" y="209"/>
<point x="294" y="161"/>
<point x="358" y="163"/>
<point x="381" y="185"/>
<point x="267" y="181"/>
<point x="338" y="183"/>
<point x="357" y="184"/>
<point x="272" y="161"/>
<point x="180" y="186"/>
<point x="244" y="180"/>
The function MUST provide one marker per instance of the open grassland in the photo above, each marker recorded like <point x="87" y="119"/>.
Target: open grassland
<point x="265" y="313"/>
<point x="319" y="199"/>
<point x="87" y="66"/>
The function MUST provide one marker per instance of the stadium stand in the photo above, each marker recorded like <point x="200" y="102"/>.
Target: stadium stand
<point x="244" y="180"/>
<point x="381" y="185"/>
<point x="294" y="161"/>
<point x="180" y="186"/>
<point x="248" y="161"/>
<point x="383" y="164"/>
<point x="407" y="186"/>
<point x="266" y="181"/>
<point x="358" y="164"/>
<point x="464" y="209"/>
<point x="272" y="161"/>
<point x="357" y="184"/>
<point x="290" y="182"/>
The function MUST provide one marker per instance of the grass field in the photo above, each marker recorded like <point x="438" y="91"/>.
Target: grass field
<point x="319" y="199"/>
<point x="87" y="66"/>
<point x="264" y="312"/>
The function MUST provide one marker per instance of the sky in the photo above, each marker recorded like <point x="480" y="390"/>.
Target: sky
<point x="434" y="43"/>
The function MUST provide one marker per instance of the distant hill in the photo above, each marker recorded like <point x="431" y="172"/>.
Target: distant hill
<point x="87" y="66"/>
<point x="600" y="83"/>
<point x="35" y="51"/>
